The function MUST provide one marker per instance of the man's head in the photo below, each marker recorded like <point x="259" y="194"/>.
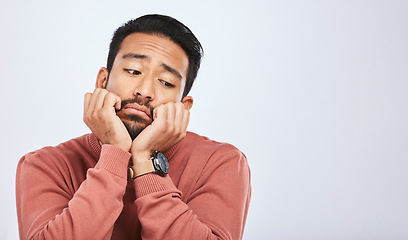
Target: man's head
<point x="153" y="60"/>
<point x="163" y="26"/>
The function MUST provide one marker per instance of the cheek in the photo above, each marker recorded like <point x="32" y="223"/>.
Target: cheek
<point x="114" y="85"/>
<point x="179" y="95"/>
<point x="111" y="86"/>
<point x="180" y="91"/>
<point x="163" y="97"/>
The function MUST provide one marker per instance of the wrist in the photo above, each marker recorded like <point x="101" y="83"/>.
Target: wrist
<point x="124" y="146"/>
<point x="142" y="156"/>
<point x="157" y="163"/>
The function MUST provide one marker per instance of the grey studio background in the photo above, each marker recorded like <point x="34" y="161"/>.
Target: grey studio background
<point x="313" y="92"/>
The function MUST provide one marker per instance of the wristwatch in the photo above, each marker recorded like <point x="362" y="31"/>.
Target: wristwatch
<point x="157" y="164"/>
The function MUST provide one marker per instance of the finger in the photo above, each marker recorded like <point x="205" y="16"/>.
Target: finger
<point x="91" y="105"/>
<point x="118" y="102"/>
<point x="178" y="118"/>
<point x="87" y="99"/>
<point x="111" y="101"/>
<point x="100" y="99"/>
<point x="172" y="126"/>
<point x="185" y="121"/>
<point x="171" y="112"/>
<point x="160" y="115"/>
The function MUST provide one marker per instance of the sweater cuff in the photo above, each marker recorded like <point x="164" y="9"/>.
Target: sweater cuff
<point x="114" y="159"/>
<point x="151" y="183"/>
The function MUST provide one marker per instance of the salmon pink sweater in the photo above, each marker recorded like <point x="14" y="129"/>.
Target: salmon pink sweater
<point x="80" y="190"/>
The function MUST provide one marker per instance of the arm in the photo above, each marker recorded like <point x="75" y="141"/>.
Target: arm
<point x="216" y="209"/>
<point x="48" y="208"/>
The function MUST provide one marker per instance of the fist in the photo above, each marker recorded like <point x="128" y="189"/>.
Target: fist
<point x="169" y="127"/>
<point x="100" y="116"/>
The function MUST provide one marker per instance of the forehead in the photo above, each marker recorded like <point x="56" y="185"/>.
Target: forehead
<point x="158" y="50"/>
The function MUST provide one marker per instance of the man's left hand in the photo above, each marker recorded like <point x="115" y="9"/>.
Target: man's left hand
<point x="169" y="127"/>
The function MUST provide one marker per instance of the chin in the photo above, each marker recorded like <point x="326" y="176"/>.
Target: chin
<point x="134" y="128"/>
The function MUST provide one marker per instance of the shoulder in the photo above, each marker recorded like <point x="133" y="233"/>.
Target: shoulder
<point x="51" y="156"/>
<point x="214" y="153"/>
<point x="203" y="144"/>
<point x="216" y="162"/>
<point x="198" y="142"/>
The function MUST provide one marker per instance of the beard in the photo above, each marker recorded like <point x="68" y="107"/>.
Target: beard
<point x="133" y="123"/>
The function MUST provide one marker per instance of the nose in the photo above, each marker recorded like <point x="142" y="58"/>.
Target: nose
<point x="145" y="88"/>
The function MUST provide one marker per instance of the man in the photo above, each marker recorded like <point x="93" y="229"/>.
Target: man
<point x="113" y="183"/>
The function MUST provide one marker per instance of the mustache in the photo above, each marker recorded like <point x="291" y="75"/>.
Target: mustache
<point x="139" y="101"/>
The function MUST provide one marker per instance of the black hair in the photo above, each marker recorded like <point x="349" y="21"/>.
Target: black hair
<point x="163" y="26"/>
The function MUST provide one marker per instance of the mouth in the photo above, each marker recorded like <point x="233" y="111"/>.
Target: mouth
<point x="136" y="109"/>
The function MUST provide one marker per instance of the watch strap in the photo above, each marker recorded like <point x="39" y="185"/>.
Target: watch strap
<point x="140" y="169"/>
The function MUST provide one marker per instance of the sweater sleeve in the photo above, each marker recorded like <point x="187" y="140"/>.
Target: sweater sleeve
<point x="48" y="207"/>
<point x="216" y="208"/>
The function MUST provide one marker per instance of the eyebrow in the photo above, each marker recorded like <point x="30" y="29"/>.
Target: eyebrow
<point x="135" y="55"/>
<point x="163" y="65"/>
<point x="171" y="70"/>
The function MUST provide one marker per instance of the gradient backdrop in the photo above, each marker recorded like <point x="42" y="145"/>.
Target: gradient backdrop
<point x="314" y="92"/>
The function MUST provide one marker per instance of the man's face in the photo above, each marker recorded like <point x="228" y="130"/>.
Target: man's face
<point x="148" y="71"/>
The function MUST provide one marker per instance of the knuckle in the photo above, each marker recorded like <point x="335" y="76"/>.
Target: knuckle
<point x="164" y="128"/>
<point x="160" y="107"/>
<point x="110" y="95"/>
<point x="182" y="135"/>
<point x="93" y="115"/>
<point x="179" y="105"/>
<point x="88" y="116"/>
<point x="100" y="115"/>
<point x="171" y="128"/>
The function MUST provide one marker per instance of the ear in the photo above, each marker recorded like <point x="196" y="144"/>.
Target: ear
<point x="188" y="102"/>
<point x="102" y="78"/>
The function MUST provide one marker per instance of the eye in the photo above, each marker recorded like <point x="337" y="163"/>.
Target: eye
<point x="133" y="72"/>
<point x="167" y="84"/>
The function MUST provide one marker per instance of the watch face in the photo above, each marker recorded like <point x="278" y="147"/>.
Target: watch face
<point x="161" y="163"/>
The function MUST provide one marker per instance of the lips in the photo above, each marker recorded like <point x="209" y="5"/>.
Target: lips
<point x="137" y="109"/>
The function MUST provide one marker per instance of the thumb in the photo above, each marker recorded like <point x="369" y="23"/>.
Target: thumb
<point x="118" y="103"/>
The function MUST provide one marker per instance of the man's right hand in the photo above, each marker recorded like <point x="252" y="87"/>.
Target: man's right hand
<point x="100" y="116"/>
